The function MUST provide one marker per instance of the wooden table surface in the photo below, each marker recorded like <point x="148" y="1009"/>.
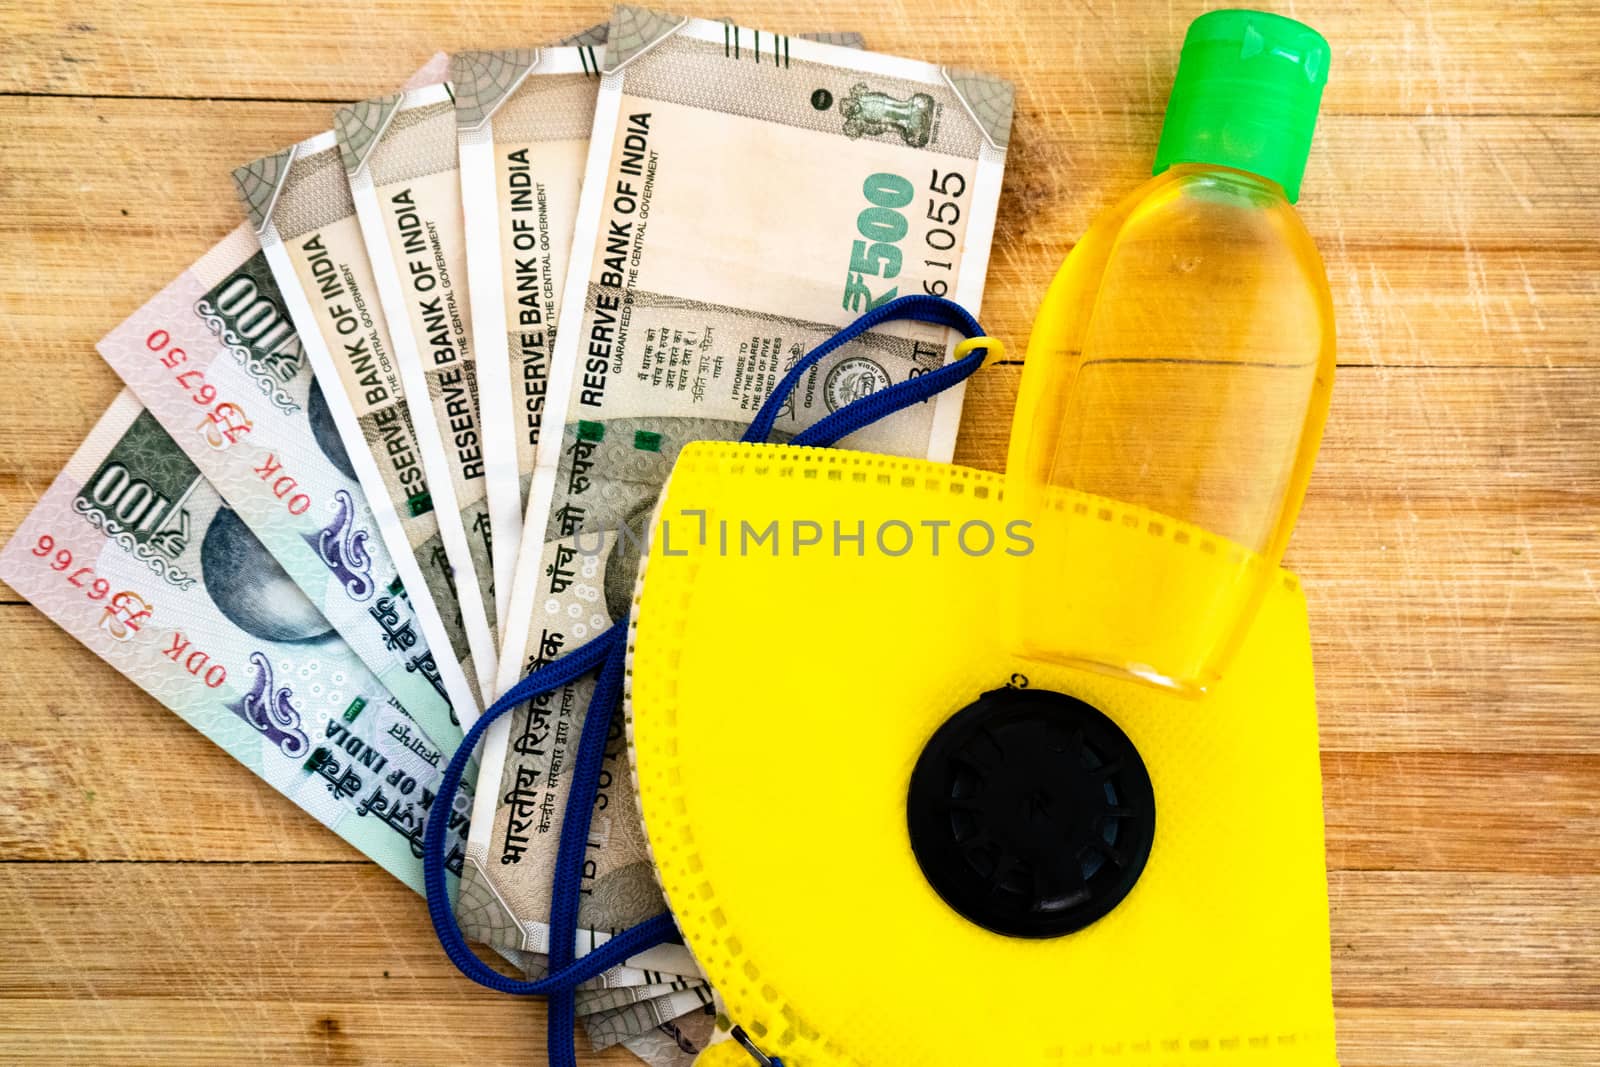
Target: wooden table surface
<point x="158" y="903"/>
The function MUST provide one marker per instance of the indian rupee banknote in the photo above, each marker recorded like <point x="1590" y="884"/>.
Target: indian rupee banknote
<point x="505" y="897"/>
<point x="591" y="1001"/>
<point x="522" y="126"/>
<point x="674" y="1044"/>
<point x="522" y="131"/>
<point x="745" y="196"/>
<point x="523" y="122"/>
<point x="298" y="203"/>
<point x="625" y="984"/>
<point x="133" y="552"/>
<point x="607" y="1028"/>
<point x="399" y="155"/>
<point x="216" y="359"/>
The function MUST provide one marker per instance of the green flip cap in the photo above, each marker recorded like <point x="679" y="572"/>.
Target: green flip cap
<point x="1246" y="96"/>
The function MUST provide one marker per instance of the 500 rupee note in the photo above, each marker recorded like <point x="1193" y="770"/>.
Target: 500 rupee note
<point x="522" y="122"/>
<point x="607" y="1028"/>
<point x="522" y="126"/>
<point x="215" y="358"/>
<point x="594" y="1001"/>
<point x="399" y="155"/>
<point x="612" y="988"/>
<point x="742" y="201"/>
<point x="674" y="1044"/>
<point x="505" y="899"/>
<point x="506" y="888"/>
<point x="135" y="554"/>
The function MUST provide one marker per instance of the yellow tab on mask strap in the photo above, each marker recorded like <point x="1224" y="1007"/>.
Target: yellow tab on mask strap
<point x="819" y="616"/>
<point x="996" y="349"/>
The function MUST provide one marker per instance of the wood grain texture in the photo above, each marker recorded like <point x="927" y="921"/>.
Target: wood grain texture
<point x="1450" y="547"/>
<point x="1443" y="57"/>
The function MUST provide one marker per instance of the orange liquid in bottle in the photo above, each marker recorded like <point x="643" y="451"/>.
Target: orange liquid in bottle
<point x="1179" y="373"/>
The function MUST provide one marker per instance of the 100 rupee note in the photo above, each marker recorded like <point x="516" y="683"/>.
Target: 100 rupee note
<point x="216" y="360"/>
<point x="740" y="205"/>
<point x="134" y="553"/>
<point x="399" y="155"/>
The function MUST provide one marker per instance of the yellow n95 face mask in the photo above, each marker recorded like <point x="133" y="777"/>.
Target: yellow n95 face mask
<point x="943" y="769"/>
<point x="889" y="838"/>
<point x="893" y="831"/>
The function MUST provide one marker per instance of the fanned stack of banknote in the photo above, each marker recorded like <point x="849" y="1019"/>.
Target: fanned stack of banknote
<point x="360" y="483"/>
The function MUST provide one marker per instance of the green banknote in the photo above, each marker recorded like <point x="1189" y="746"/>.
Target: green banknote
<point x="613" y="1027"/>
<point x="136" y="555"/>
<point x="216" y="359"/>
<point x="300" y="208"/>
<point x="399" y="155"/>
<point x="522" y="127"/>
<point x="745" y="196"/>
<point x="593" y="1001"/>
<point x="674" y="1044"/>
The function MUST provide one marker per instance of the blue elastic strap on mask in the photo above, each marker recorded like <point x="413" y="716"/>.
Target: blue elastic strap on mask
<point x="607" y="653"/>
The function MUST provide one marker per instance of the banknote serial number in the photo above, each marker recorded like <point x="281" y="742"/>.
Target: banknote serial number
<point x="883" y="226"/>
<point x="225" y="422"/>
<point x="125" y="610"/>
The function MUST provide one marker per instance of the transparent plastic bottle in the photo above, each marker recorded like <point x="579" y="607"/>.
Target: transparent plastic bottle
<point x="1179" y="370"/>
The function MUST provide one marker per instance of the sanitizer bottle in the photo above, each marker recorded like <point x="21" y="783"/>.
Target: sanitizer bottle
<point x="1178" y="375"/>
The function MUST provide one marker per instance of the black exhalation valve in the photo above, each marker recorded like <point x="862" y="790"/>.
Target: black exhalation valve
<point x="1031" y="813"/>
